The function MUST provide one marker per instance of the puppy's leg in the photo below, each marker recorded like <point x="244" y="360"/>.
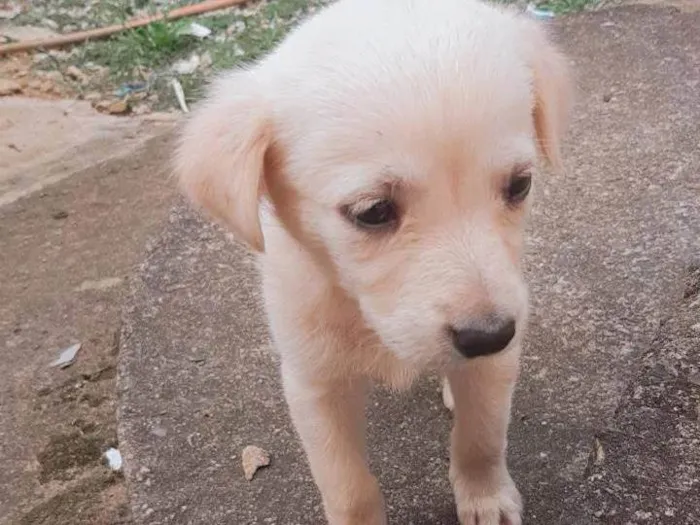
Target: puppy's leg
<point x="329" y="417"/>
<point x="482" y="390"/>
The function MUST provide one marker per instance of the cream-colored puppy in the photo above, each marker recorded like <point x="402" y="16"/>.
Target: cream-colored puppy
<point x="380" y="162"/>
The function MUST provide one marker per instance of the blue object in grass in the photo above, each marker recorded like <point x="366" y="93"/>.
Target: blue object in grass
<point x="128" y="88"/>
<point x="539" y="13"/>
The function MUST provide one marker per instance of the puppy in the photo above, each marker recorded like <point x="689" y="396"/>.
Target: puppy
<point x="380" y="162"/>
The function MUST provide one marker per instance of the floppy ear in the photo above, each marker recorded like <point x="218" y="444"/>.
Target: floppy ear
<point x="221" y="155"/>
<point x="553" y="94"/>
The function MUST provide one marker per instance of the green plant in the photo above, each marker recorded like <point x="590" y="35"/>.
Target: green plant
<point x="149" y="47"/>
<point x="566" y="6"/>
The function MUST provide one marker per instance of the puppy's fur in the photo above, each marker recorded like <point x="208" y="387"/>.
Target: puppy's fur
<point x="435" y="106"/>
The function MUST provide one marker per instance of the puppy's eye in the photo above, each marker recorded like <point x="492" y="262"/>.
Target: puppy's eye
<point x="518" y="187"/>
<point x="381" y="214"/>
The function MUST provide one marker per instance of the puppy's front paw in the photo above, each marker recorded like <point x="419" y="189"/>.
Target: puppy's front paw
<point x="494" y="503"/>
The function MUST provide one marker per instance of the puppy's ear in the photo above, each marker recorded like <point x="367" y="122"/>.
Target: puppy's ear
<point x="221" y="155"/>
<point x="553" y="93"/>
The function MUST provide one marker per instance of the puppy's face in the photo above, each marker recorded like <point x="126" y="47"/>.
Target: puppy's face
<point x="419" y="209"/>
<point x="408" y="182"/>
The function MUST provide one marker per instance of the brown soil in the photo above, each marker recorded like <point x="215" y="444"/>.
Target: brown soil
<point x="68" y="251"/>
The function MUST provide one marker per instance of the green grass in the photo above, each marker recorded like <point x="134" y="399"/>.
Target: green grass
<point x="562" y="7"/>
<point x="147" y="54"/>
<point x="147" y="47"/>
<point x="162" y="43"/>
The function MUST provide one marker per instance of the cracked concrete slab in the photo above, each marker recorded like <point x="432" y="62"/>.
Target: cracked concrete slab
<point x="609" y="248"/>
<point x="646" y="464"/>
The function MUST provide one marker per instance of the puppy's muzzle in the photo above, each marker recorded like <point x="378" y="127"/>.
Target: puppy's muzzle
<point x="483" y="338"/>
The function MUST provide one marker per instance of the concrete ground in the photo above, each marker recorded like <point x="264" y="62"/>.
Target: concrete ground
<point x="80" y="194"/>
<point x="605" y="426"/>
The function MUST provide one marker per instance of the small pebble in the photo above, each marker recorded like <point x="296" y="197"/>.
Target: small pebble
<point x="254" y="458"/>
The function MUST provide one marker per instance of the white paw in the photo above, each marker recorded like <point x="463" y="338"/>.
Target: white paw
<point x="475" y="506"/>
<point x="447" y="398"/>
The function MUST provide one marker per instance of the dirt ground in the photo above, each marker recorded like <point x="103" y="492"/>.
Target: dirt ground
<point x="79" y="199"/>
<point x="67" y="252"/>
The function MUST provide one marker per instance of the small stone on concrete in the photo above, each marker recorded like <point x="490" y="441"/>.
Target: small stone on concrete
<point x="254" y="458"/>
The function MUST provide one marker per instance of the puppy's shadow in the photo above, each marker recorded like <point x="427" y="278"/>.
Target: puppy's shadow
<point x="408" y="442"/>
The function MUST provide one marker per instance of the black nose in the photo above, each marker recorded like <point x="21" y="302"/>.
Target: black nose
<point x="485" y="338"/>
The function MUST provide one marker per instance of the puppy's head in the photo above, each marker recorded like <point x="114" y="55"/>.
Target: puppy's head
<point x="401" y="159"/>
